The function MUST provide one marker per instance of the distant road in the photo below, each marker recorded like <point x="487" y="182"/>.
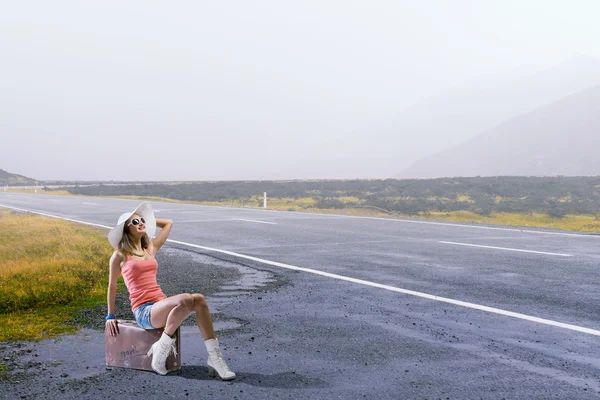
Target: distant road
<point x="391" y="308"/>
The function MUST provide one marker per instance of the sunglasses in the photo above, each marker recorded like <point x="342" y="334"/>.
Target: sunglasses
<point x="136" y="221"/>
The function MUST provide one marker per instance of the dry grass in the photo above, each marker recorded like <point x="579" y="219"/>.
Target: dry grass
<point x="39" y="191"/>
<point x="466" y="198"/>
<point x="49" y="269"/>
<point x="582" y="223"/>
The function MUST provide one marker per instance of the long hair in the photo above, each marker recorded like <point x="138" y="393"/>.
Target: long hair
<point x="127" y="245"/>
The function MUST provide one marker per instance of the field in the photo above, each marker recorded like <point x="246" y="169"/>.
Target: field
<point x="49" y="270"/>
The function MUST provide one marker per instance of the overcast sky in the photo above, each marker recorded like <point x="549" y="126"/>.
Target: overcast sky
<point x="154" y="90"/>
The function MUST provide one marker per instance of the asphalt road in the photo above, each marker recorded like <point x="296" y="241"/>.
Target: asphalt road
<point x="361" y="308"/>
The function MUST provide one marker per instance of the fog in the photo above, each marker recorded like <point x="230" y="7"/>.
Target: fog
<point x="148" y="90"/>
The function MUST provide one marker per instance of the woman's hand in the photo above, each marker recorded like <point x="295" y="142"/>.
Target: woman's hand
<point x="113" y="327"/>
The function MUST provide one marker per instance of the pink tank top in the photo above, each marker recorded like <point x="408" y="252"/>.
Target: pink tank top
<point x="140" y="279"/>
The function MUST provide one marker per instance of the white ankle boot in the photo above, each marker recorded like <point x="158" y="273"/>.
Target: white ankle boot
<point x="216" y="363"/>
<point x="159" y="353"/>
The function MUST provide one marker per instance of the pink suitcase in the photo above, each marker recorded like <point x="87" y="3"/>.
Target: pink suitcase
<point x="130" y="347"/>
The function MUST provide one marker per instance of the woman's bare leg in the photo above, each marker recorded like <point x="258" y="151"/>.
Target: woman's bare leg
<point x="170" y="312"/>
<point x="203" y="317"/>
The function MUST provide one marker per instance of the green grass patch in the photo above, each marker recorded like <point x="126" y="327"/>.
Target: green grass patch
<point x="50" y="269"/>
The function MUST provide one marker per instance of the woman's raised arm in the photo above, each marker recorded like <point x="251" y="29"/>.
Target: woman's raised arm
<point x="165" y="226"/>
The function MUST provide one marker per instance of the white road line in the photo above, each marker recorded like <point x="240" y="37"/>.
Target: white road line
<point x="363" y="282"/>
<point x="507" y="249"/>
<point x="400" y="290"/>
<point x="316" y="244"/>
<point x="491" y="228"/>
<point x="90" y="204"/>
<point x="56" y="216"/>
<point x="189" y="221"/>
<point x="409" y="221"/>
<point x="253" y="220"/>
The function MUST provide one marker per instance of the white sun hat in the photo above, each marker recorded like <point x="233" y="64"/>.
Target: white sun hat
<point x="144" y="210"/>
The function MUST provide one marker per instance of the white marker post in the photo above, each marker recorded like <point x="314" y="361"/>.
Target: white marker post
<point x="265" y="200"/>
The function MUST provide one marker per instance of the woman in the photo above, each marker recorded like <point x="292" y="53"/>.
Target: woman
<point x="134" y="259"/>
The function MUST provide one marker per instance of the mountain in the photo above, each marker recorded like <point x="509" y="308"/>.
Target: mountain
<point x="6" y="178"/>
<point x="560" y="139"/>
<point x="440" y="122"/>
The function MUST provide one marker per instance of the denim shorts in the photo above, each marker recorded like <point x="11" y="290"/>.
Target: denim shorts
<point x="142" y="316"/>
